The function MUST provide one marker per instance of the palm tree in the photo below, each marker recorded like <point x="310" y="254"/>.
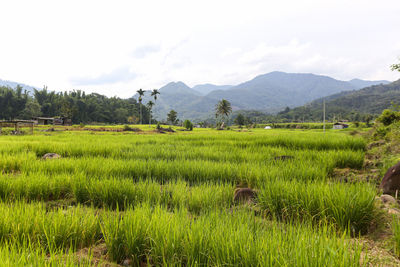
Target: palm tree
<point x="150" y="105"/>
<point x="141" y="94"/>
<point x="154" y="93"/>
<point x="223" y="109"/>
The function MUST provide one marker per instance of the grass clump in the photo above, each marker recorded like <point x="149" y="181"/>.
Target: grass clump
<point x="160" y="237"/>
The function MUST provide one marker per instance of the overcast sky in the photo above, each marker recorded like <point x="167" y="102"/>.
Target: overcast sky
<point x="116" y="47"/>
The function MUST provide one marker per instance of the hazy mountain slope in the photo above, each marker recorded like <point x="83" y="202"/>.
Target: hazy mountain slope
<point x="11" y="84"/>
<point x="270" y="92"/>
<point x="363" y="83"/>
<point x="181" y="98"/>
<point x="276" y="90"/>
<point x="204" y="89"/>
<point x="370" y="100"/>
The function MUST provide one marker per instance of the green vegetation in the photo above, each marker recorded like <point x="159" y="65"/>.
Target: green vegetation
<point x="167" y="199"/>
<point x="223" y="109"/>
<point x="188" y="125"/>
<point x="172" y="117"/>
<point x="78" y="106"/>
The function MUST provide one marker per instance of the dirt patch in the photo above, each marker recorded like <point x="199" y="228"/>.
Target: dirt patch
<point x="63" y="203"/>
<point x="97" y="255"/>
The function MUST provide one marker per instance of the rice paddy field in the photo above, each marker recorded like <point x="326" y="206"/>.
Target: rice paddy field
<point x="144" y="198"/>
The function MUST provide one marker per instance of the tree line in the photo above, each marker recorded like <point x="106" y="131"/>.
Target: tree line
<point x="76" y="105"/>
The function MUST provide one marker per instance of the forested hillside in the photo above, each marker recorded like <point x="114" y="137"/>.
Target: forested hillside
<point x="358" y="105"/>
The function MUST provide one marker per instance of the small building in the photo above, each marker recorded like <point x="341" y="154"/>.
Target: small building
<point x="44" y="120"/>
<point x="340" y="125"/>
<point x="53" y="121"/>
<point x="267" y="127"/>
<point x="62" y="121"/>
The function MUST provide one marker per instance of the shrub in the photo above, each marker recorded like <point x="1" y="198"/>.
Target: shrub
<point x="388" y="117"/>
<point x="127" y="128"/>
<point x="188" y="125"/>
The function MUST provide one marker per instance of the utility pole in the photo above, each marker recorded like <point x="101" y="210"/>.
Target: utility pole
<point x="324" y="115"/>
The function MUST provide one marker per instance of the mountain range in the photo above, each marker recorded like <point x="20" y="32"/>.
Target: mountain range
<point x="269" y="92"/>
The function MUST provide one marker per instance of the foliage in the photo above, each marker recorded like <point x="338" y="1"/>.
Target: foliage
<point x="76" y="105"/>
<point x="389" y="116"/>
<point x="396" y="234"/>
<point x="240" y="120"/>
<point x="168" y="199"/>
<point x="188" y="125"/>
<point x="154" y="94"/>
<point x="395" y="67"/>
<point x="223" y="109"/>
<point x="172" y="117"/>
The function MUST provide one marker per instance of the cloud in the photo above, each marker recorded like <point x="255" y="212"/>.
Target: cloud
<point x="122" y="74"/>
<point x="143" y="51"/>
<point x="265" y="52"/>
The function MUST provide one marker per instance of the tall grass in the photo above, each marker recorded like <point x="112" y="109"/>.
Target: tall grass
<point x="349" y="206"/>
<point x="159" y="237"/>
<point x="21" y="222"/>
<point x="168" y="199"/>
<point x="396" y="234"/>
<point x="29" y="254"/>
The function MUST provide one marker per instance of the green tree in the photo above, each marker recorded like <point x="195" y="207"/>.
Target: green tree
<point x="388" y="117"/>
<point x="172" y="117"/>
<point x="150" y="105"/>
<point x="368" y="119"/>
<point x="121" y="115"/>
<point x="141" y="94"/>
<point x="31" y="110"/>
<point x="223" y="109"/>
<point x="154" y="94"/>
<point x="188" y="125"/>
<point x="240" y="120"/>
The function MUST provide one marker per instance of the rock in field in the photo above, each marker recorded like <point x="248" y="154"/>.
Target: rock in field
<point x="244" y="195"/>
<point x="388" y="199"/>
<point x="51" y="156"/>
<point x="391" y="181"/>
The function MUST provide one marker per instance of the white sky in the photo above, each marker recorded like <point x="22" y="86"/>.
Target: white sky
<point x="116" y="47"/>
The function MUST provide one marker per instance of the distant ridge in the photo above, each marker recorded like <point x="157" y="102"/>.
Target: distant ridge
<point x="370" y="100"/>
<point x="270" y="92"/>
<point x="204" y="89"/>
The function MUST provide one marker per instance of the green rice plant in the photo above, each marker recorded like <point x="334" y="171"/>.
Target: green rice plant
<point x="159" y="237"/>
<point x="396" y="234"/>
<point x="193" y="171"/>
<point x="76" y="227"/>
<point x="116" y="193"/>
<point x="35" y="186"/>
<point x="349" y="206"/>
<point x="29" y="254"/>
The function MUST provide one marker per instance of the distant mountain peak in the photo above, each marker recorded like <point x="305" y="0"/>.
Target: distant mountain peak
<point x="28" y="88"/>
<point x="358" y="83"/>
<point x="174" y="85"/>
